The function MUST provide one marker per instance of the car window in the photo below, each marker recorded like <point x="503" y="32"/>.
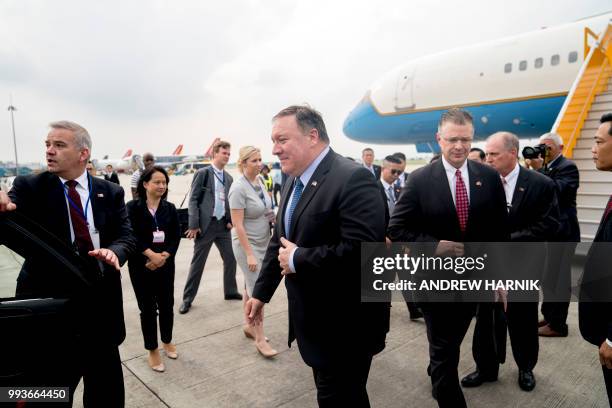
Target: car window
<point x="10" y="265"/>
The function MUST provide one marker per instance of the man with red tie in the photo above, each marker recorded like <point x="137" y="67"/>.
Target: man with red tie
<point x="88" y="214"/>
<point x="450" y="202"/>
<point x="595" y="307"/>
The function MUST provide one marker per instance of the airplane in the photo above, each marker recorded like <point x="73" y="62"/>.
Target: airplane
<point x="177" y="158"/>
<point x="517" y="84"/>
<point x="123" y="165"/>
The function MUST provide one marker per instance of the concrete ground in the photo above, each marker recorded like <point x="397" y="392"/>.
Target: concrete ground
<point x="219" y="367"/>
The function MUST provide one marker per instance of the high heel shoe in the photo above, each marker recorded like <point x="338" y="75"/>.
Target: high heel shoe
<point x="170" y="350"/>
<point x="155" y="361"/>
<point x="248" y="332"/>
<point x="265" y="350"/>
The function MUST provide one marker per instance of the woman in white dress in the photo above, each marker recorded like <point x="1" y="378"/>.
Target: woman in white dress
<point x="252" y="213"/>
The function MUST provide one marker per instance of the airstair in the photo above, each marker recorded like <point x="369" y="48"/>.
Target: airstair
<point x="589" y="98"/>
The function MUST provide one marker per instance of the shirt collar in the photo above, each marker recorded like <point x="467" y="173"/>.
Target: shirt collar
<point x="307" y="174"/>
<point x="385" y="184"/>
<point x="513" y="174"/>
<point x="216" y="169"/>
<point x="82" y="180"/>
<point x="556" y="159"/>
<point x="451" y="169"/>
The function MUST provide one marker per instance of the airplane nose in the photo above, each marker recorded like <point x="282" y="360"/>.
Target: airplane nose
<point x="358" y="124"/>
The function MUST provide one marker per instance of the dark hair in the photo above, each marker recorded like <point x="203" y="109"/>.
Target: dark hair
<point x="264" y="167"/>
<point x="306" y="118"/>
<point x="481" y="152"/>
<point x="457" y="116"/>
<point x="393" y="159"/>
<point x="607" y="117"/>
<point x="146" y="177"/>
<point x="400" y="156"/>
<point x="220" y="144"/>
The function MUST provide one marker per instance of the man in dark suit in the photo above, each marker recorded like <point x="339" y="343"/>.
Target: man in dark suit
<point x="367" y="157"/>
<point x="210" y="222"/>
<point x="557" y="278"/>
<point x="533" y="217"/>
<point x="111" y="175"/>
<point x="449" y="202"/>
<point x="329" y="206"/>
<point x="403" y="177"/>
<point x="595" y="307"/>
<point x="88" y="214"/>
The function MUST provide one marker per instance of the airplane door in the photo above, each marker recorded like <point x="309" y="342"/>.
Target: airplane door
<point x="404" y="90"/>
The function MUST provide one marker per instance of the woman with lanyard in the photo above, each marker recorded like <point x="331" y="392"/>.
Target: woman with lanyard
<point x="251" y="208"/>
<point x="155" y="224"/>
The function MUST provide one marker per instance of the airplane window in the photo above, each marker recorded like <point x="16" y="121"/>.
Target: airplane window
<point x="522" y="65"/>
<point x="508" y="68"/>
<point x="538" y="62"/>
<point x="573" y="57"/>
<point x="554" y="60"/>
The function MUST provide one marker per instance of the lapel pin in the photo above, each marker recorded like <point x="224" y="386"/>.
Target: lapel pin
<point x="314" y="184"/>
<point x="100" y="195"/>
<point x="521" y="189"/>
<point x="478" y="183"/>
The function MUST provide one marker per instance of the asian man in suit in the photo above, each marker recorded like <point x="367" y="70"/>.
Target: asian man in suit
<point x="448" y="202"/>
<point x="329" y="206"/>
<point x="88" y="214"/>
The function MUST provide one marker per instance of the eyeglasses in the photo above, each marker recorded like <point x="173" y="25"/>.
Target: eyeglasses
<point x="398" y="172"/>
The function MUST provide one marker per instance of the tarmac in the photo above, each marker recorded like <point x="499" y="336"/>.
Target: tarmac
<point x="219" y="367"/>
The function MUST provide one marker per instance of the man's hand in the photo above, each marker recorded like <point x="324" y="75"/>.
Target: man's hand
<point x="107" y="256"/>
<point x="535" y="164"/>
<point x="449" y="248"/>
<point x="191" y="233"/>
<point x="5" y="203"/>
<point x="501" y="295"/>
<point x="605" y="355"/>
<point x="229" y="226"/>
<point x="283" y="255"/>
<point x="253" y="311"/>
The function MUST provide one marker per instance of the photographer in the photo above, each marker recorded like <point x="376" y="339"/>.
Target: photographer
<point x="557" y="278"/>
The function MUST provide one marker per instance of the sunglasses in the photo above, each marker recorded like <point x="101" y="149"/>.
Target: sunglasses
<point x="398" y="172"/>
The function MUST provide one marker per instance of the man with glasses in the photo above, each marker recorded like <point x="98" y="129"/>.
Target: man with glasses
<point x="450" y="202"/>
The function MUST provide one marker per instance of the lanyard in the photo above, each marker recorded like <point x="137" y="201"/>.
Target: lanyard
<point x="218" y="178"/>
<point x="79" y="211"/>
<point x="260" y="193"/>
<point x="154" y="214"/>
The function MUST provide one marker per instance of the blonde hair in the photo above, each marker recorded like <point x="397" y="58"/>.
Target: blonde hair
<point x="245" y="153"/>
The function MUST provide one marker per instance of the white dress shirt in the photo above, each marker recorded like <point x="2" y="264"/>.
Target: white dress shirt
<point x="220" y="191"/>
<point x="452" y="178"/>
<point x="510" y="184"/>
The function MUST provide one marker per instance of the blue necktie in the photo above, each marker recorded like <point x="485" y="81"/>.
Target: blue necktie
<point x="297" y="193"/>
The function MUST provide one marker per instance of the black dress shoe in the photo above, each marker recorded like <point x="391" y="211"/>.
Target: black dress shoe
<point x="477" y="378"/>
<point x="184" y="308"/>
<point x="233" y="296"/>
<point x="526" y="380"/>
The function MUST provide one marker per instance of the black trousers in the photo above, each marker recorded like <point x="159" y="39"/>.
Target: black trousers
<point x="522" y="322"/>
<point x="556" y="284"/>
<point x="154" y="293"/>
<point x="447" y="324"/>
<point x="344" y="385"/>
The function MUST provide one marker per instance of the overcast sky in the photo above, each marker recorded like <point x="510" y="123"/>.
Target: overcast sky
<point x="150" y="74"/>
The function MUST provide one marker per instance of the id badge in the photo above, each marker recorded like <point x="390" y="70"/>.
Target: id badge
<point x="159" y="237"/>
<point x="95" y="236"/>
<point x="222" y="195"/>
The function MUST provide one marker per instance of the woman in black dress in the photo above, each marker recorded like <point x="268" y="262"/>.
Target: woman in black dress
<point x="155" y="224"/>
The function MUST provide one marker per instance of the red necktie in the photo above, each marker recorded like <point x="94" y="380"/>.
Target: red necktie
<point x="79" y="220"/>
<point x="461" y="201"/>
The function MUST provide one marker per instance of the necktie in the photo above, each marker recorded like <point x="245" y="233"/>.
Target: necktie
<point x="461" y="201"/>
<point x="391" y="198"/>
<point x="79" y="220"/>
<point x="608" y="209"/>
<point x="297" y="193"/>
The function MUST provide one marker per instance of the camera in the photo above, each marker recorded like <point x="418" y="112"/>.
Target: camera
<point x="537" y="151"/>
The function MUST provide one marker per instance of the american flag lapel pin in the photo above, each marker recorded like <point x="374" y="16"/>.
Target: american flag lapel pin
<point x="521" y="189"/>
<point x="478" y="183"/>
<point x="314" y="184"/>
<point x="100" y="195"/>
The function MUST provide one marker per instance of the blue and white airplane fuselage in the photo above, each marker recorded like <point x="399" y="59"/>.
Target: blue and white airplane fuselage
<point x="516" y="84"/>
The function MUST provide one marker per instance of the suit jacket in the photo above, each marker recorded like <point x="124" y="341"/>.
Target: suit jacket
<point x="340" y="208"/>
<point x="104" y="307"/>
<point x="113" y="178"/>
<point x="202" y="198"/>
<point x="564" y="174"/>
<point x="143" y="225"/>
<point x="425" y="211"/>
<point x="595" y="307"/>
<point x="377" y="170"/>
